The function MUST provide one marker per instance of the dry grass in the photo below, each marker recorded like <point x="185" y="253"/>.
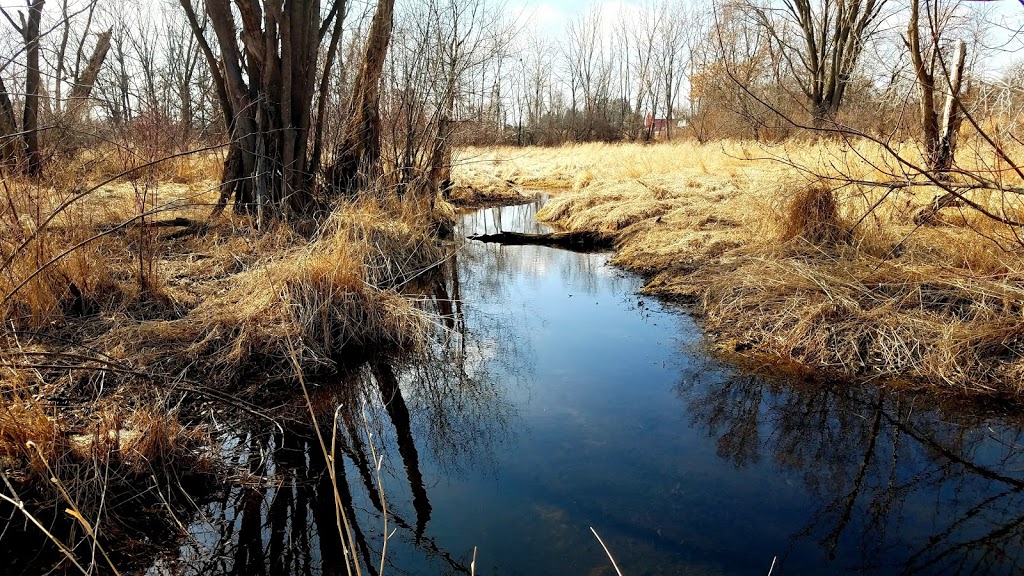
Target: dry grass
<point x="340" y="291"/>
<point x="116" y="338"/>
<point x="788" y="266"/>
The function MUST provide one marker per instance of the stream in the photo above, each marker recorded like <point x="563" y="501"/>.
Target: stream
<point x="554" y="400"/>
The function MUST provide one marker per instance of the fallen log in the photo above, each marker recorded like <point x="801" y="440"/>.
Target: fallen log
<point x="927" y="214"/>
<point x="179" y="222"/>
<point x="576" y="241"/>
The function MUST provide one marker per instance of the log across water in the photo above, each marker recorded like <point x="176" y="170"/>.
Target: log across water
<point x="576" y="241"/>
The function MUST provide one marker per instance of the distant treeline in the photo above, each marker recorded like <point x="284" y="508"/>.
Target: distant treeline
<point x="664" y="69"/>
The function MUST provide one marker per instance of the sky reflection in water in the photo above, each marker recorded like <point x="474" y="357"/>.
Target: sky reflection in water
<point x="555" y="399"/>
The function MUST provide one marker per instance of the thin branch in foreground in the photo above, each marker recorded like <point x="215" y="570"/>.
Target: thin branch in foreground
<point x="606" y="551"/>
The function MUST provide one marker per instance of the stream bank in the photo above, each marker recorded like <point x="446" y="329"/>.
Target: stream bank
<point x="840" y="282"/>
<point x="551" y="398"/>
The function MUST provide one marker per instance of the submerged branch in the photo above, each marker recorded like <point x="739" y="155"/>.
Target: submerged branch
<point x="576" y="241"/>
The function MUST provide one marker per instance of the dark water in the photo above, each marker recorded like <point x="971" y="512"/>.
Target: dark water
<point x="554" y="400"/>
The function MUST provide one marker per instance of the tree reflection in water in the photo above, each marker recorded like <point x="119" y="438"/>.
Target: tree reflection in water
<point x="281" y="517"/>
<point x="876" y="461"/>
<point x="833" y="478"/>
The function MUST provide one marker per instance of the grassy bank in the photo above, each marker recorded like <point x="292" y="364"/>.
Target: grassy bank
<point x="127" y="341"/>
<point x="793" y="268"/>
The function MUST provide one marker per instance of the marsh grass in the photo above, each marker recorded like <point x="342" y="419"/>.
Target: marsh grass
<point x="118" y="340"/>
<point x="787" y="260"/>
<point x="812" y="215"/>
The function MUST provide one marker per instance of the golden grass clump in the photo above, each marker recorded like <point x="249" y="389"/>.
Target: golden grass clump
<point x="582" y="180"/>
<point x="27" y="431"/>
<point x="297" y="308"/>
<point x="154" y="438"/>
<point x="812" y="214"/>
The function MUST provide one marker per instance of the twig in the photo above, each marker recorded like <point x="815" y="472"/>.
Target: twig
<point x="606" y="551"/>
<point x="378" y="462"/>
<point x="18" y="503"/>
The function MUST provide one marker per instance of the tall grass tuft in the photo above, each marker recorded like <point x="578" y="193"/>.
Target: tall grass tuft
<point x="813" y="215"/>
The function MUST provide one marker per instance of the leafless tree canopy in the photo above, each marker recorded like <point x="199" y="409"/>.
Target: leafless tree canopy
<point x="330" y="97"/>
<point x="819" y="43"/>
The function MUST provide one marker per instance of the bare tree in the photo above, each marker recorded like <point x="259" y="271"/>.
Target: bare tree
<point x="266" y="87"/>
<point x="28" y="28"/>
<point x="64" y="70"/>
<point x="648" y="81"/>
<point x="731" y="49"/>
<point x="114" y="87"/>
<point x="144" y="40"/>
<point x="820" y="43"/>
<point x="674" y="26"/>
<point x="939" y="127"/>
<point x="590" y="70"/>
<point x="183" y="59"/>
<point x="84" y="83"/>
<point x="537" y="58"/>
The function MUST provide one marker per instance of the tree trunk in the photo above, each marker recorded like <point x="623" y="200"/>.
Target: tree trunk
<point x="8" y="131"/>
<point x="951" y="117"/>
<point x="30" y="117"/>
<point x="232" y="178"/>
<point x="358" y="162"/>
<point x="926" y="87"/>
<point x="439" y="170"/>
<point x="323" y="98"/>
<point x="83" y="85"/>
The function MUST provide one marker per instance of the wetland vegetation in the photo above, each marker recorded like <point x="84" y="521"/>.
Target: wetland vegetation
<point x="325" y="287"/>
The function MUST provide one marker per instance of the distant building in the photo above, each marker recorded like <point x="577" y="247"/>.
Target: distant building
<point x="658" y="127"/>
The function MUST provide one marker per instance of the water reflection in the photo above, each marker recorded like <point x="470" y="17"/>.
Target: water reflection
<point x="516" y="218"/>
<point x="283" y="516"/>
<point x="899" y="485"/>
<point x="552" y="399"/>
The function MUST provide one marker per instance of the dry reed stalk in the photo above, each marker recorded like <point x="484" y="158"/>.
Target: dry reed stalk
<point x="606" y="551"/>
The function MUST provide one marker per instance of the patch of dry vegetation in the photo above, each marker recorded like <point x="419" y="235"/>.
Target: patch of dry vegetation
<point x="119" y="335"/>
<point x="785" y="265"/>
